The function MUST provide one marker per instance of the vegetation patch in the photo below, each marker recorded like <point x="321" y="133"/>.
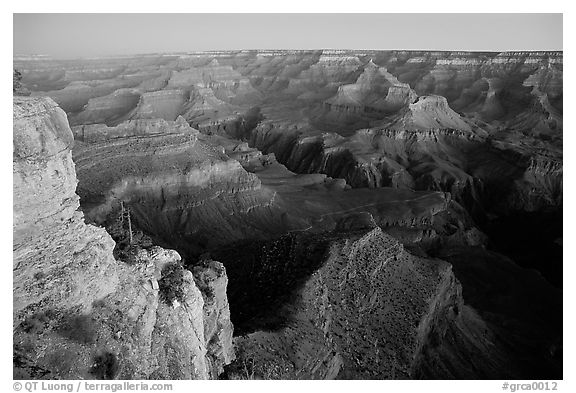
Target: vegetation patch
<point x="171" y="285"/>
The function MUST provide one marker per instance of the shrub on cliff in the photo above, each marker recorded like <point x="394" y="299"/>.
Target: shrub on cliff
<point x="129" y="239"/>
<point x="17" y="88"/>
<point x="171" y="283"/>
<point x="17" y="81"/>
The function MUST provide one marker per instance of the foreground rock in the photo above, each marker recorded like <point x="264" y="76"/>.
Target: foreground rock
<point x="79" y="313"/>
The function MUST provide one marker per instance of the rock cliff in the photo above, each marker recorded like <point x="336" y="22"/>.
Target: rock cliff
<point x="78" y="312"/>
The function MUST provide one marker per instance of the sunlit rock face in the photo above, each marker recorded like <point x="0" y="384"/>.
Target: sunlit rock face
<point x="80" y="314"/>
<point x="46" y="217"/>
<point x="358" y="200"/>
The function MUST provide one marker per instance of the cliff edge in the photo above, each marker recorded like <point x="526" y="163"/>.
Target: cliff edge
<point x="77" y="312"/>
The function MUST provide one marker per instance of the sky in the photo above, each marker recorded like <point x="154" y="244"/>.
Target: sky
<point x="84" y="35"/>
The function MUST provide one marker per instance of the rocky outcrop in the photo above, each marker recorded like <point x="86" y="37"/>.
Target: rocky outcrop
<point x="368" y="311"/>
<point x="211" y="278"/>
<point x="78" y="312"/>
<point x="429" y="112"/>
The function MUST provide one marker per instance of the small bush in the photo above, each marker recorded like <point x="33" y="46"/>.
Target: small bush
<point x="17" y="87"/>
<point x="16" y="81"/>
<point x="171" y="283"/>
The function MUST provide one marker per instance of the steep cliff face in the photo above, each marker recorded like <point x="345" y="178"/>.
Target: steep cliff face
<point x="79" y="313"/>
<point x="212" y="280"/>
<point x="50" y="237"/>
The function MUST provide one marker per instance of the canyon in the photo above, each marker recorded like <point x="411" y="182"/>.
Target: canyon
<point x="289" y="215"/>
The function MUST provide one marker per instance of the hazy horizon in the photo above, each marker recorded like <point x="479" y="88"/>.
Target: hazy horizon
<point x="50" y="34"/>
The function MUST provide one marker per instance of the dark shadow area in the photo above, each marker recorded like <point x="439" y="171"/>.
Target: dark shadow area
<point x="523" y="308"/>
<point x="266" y="276"/>
<point x="531" y="239"/>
